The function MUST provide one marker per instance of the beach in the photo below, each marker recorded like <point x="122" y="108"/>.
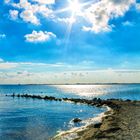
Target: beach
<point x="69" y="115"/>
<point x="121" y="123"/>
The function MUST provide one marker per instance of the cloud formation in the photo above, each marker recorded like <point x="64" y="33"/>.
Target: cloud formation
<point x="1" y="60"/>
<point x="39" y="36"/>
<point x="13" y="14"/>
<point x="2" y="36"/>
<point x="45" y="1"/>
<point x="98" y="76"/>
<point x="29" y="73"/>
<point x="127" y="23"/>
<point x="28" y="16"/>
<point x="7" y="65"/>
<point x="29" y="11"/>
<point x="138" y="6"/>
<point x="99" y="14"/>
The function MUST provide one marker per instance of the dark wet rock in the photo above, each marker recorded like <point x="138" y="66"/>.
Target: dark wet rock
<point x="65" y="99"/>
<point x="94" y="99"/>
<point x="128" y="100"/>
<point x="49" y="98"/>
<point x="97" y="125"/>
<point x="13" y="95"/>
<point x="18" y="95"/>
<point x="76" y="120"/>
<point x="98" y="105"/>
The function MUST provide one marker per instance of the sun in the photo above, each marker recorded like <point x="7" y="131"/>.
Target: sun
<point x="74" y="6"/>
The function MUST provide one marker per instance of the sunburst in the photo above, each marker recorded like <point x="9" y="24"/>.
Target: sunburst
<point x="75" y="8"/>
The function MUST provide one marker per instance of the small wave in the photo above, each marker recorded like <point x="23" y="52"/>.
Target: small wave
<point x="73" y="133"/>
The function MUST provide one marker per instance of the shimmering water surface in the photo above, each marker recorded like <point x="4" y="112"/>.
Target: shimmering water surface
<point x="28" y="119"/>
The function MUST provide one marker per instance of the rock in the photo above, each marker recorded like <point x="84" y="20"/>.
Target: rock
<point x="128" y="100"/>
<point x="18" y="95"/>
<point x="76" y="120"/>
<point x="97" y="125"/>
<point x="98" y="105"/>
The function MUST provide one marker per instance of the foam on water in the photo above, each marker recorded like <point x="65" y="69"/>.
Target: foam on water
<point x="73" y="133"/>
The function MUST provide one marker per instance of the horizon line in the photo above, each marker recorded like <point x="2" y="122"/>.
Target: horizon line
<point x="73" y="84"/>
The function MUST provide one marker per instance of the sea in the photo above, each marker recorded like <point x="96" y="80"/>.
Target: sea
<point x="33" y="119"/>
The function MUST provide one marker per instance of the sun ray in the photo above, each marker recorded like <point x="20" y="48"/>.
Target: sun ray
<point x="72" y="4"/>
<point x="61" y="10"/>
<point x="75" y="7"/>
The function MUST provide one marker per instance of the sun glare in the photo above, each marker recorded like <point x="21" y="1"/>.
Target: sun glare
<point x="74" y="6"/>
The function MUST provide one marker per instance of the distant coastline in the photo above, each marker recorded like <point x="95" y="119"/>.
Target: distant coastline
<point x="75" y="84"/>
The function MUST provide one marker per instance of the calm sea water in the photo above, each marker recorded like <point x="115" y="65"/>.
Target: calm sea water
<point x="28" y="119"/>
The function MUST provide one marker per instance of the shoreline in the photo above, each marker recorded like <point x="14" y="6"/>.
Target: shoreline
<point x="72" y="134"/>
<point x="121" y="122"/>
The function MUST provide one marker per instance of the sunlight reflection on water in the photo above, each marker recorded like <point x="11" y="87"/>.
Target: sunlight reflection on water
<point x="131" y="91"/>
<point x="84" y="90"/>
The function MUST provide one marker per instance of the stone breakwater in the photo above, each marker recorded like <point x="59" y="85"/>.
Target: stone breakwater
<point x="94" y="102"/>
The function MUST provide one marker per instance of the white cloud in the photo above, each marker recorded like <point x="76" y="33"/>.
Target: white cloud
<point x="45" y="1"/>
<point x="7" y="1"/>
<point x="24" y="4"/>
<point x="13" y="14"/>
<point x="7" y="65"/>
<point x="127" y="23"/>
<point x="44" y="11"/>
<point x="30" y="11"/>
<point x="71" y="77"/>
<point x="28" y="65"/>
<point x="100" y="13"/>
<point x="39" y="36"/>
<point x="28" y="73"/>
<point x="1" y="60"/>
<point x="28" y="16"/>
<point x="2" y="36"/>
<point x="66" y="20"/>
<point x="24" y="73"/>
<point x="138" y="6"/>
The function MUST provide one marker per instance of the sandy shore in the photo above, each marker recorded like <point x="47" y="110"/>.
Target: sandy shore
<point x="122" y="123"/>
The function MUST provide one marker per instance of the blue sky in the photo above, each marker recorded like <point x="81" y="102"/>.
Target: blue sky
<point x="69" y="42"/>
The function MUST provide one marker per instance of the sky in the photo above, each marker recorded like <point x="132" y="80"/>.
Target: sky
<point x="69" y="41"/>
